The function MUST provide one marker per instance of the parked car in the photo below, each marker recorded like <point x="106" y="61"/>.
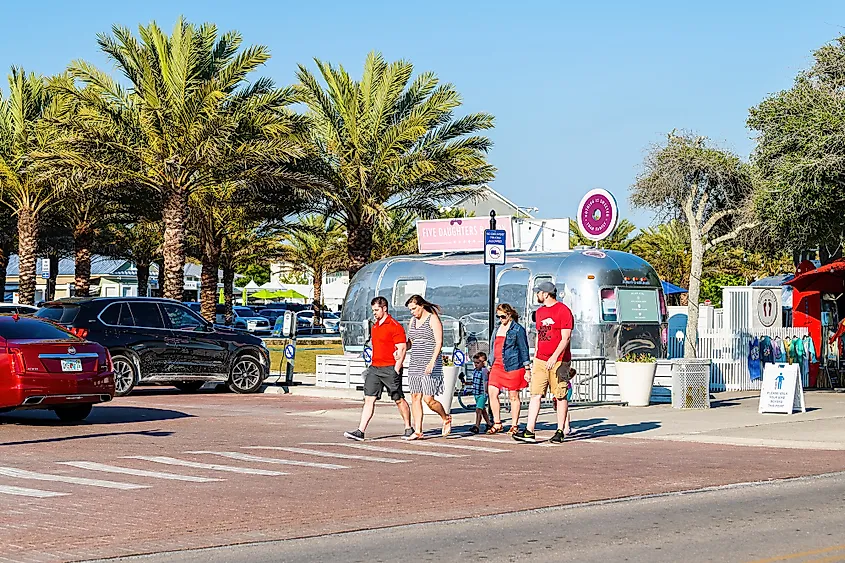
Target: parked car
<point x="11" y="308"/>
<point x="43" y="366"/>
<point x="271" y="315"/>
<point x="163" y="341"/>
<point x="243" y="318"/>
<point x="331" y="322"/>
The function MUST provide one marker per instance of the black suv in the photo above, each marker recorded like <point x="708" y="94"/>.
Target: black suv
<point x="163" y="341"/>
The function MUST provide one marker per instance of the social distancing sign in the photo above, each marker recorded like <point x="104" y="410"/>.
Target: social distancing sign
<point x="783" y="390"/>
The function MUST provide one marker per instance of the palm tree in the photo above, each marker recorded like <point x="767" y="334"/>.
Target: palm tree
<point x="318" y="247"/>
<point x="25" y="189"/>
<point x="620" y="239"/>
<point x="139" y="242"/>
<point x="250" y="244"/>
<point x="385" y="143"/>
<point x="667" y="248"/>
<point x="395" y="235"/>
<point x="181" y="118"/>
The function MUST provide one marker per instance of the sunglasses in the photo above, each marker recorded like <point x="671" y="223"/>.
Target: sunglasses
<point x="502" y="316"/>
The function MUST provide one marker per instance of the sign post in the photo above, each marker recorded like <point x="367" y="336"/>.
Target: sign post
<point x="495" y="242"/>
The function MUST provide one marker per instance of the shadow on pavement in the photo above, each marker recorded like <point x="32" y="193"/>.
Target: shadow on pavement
<point x="156" y="391"/>
<point x="146" y="433"/>
<point x="598" y="428"/>
<point x="100" y="415"/>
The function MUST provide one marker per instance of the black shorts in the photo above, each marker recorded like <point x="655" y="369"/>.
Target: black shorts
<point x="377" y="378"/>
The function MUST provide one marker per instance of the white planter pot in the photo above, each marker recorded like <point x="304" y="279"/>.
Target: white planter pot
<point x="635" y="381"/>
<point x="450" y="378"/>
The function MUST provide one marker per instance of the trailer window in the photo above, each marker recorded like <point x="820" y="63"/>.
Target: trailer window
<point x="638" y="305"/>
<point x="404" y="289"/>
<point x="609" y="311"/>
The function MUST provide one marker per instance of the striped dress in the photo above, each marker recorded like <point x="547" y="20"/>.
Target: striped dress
<point x="422" y="348"/>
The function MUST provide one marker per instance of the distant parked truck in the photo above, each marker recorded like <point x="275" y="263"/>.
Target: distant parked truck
<point x="616" y="297"/>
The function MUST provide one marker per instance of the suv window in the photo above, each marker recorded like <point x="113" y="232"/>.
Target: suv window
<point x="243" y="312"/>
<point x="181" y="318"/>
<point x="111" y="314"/>
<point x="62" y="314"/>
<point x="146" y="315"/>
<point x="125" y="318"/>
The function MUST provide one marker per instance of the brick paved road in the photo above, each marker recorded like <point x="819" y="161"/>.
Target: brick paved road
<point x="163" y="471"/>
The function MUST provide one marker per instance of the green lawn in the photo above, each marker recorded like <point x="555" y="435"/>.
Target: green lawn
<point x="306" y="356"/>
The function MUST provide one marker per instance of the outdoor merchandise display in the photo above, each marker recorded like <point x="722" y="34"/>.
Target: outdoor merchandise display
<point x="767" y="350"/>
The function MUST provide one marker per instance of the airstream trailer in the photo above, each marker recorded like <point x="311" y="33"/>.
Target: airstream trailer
<point x="615" y="297"/>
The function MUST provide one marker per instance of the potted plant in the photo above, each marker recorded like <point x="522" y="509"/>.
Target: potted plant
<point x="450" y="378"/>
<point x="635" y="374"/>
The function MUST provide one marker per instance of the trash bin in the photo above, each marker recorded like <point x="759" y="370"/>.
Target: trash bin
<point x="691" y="384"/>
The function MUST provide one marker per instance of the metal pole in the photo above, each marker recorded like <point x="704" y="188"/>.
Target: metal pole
<point x="492" y="320"/>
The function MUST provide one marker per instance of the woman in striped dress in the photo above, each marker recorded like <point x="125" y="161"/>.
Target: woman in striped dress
<point x="425" y="368"/>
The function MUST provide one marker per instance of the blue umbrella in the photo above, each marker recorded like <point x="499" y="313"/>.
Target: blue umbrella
<point x="672" y="289"/>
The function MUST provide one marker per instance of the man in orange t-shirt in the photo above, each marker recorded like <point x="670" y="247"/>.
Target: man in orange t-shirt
<point x="385" y="371"/>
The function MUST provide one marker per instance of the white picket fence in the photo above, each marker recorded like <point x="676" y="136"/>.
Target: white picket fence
<point x="729" y="354"/>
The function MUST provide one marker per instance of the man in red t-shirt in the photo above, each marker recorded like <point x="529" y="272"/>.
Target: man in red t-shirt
<point x="552" y="359"/>
<point x="385" y="371"/>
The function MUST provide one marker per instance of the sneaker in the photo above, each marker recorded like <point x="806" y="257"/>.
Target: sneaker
<point x="355" y="435"/>
<point x="525" y="436"/>
<point x="474" y="429"/>
<point x="558" y="437"/>
<point x="408" y="432"/>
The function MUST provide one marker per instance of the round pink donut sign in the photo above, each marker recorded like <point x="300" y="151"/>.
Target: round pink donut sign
<point x="597" y="214"/>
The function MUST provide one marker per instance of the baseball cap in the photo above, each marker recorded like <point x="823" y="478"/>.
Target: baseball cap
<point x="547" y="287"/>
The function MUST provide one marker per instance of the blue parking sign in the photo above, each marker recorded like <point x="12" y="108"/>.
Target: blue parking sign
<point x="458" y="357"/>
<point x="290" y="351"/>
<point x="367" y="355"/>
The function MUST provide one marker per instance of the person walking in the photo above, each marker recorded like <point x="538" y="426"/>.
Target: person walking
<point x="552" y="361"/>
<point x="385" y="371"/>
<point x="425" y="370"/>
<point x="510" y="358"/>
<point x="480" y="375"/>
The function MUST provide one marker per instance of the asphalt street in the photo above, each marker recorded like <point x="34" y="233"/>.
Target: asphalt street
<point x="795" y="520"/>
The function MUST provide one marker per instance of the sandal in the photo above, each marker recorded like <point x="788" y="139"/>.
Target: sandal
<point x="496" y="428"/>
<point x="474" y="429"/>
<point x="447" y="426"/>
<point x="414" y="436"/>
<point x="513" y="430"/>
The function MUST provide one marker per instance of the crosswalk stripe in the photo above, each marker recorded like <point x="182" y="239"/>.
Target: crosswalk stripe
<point x="24" y="474"/>
<point x="258" y="459"/>
<point x="383" y="450"/>
<point x="211" y="466"/>
<point x="481" y="439"/>
<point x="318" y="453"/>
<point x="138" y="472"/>
<point x="452" y="446"/>
<point x="20" y="491"/>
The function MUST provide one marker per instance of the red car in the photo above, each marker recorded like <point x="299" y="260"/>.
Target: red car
<point x="42" y="366"/>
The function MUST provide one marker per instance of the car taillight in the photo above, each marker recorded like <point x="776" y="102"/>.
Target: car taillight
<point x="108" y="366"/>
<point x="80" y="332"/>
<point x="18" y="365"/>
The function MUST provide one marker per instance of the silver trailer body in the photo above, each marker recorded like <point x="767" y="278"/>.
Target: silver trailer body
<point x="615" y="297"/>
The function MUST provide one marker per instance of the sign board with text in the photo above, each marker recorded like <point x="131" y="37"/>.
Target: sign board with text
<point x="782" y="390"/>
<point x="463" y="234"/>
<point x="495" y="242"/>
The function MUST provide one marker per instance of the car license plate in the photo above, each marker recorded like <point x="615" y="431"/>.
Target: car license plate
<point x="71" y="365"/>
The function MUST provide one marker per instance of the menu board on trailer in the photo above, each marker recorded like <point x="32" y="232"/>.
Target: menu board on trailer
<point x="638" y="305"/>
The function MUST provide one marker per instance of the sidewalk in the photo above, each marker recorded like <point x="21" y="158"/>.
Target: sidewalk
<point x="732" y="419"/>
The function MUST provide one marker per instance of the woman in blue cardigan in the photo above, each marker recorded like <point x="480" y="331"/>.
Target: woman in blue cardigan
<point x="510" y="358"/>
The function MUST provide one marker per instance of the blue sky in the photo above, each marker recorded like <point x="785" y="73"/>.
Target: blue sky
<point x="579" y="90"/>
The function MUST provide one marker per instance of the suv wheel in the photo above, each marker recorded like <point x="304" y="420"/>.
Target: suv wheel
<point x="73" y="413"/>
<point x="189" y="386"/>
<point x="246" y="375"/>
<point x="125" y="375"/>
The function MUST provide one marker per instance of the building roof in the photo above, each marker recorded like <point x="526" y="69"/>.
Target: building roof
<point x="102" y="266"/>
<point x="489" y="193"/>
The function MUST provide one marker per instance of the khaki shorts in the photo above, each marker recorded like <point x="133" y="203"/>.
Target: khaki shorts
<point x="557" y="380"/>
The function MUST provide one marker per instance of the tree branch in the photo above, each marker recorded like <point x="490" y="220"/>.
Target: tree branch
<point x="731" y="235"/>
<point x="711" y="222"/>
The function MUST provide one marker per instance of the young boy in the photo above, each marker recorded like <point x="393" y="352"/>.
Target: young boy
<point x="480" y="374"/>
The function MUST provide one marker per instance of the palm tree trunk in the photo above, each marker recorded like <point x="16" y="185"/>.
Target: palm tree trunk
<point x="360" y="244"/>
<point x="228" y="291"/>
<point x="83" y="240"/>
<point x="318" y="296"/>
<point x="27" y="248"/>
<point x="174" y="217"/>
<point x="4" y="264"/>
<point x="208" y="280"/>
<point x="53" y="257"/>
<point x="143" y="275"/>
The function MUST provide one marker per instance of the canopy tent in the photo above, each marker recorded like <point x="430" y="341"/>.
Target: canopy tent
<point x="672" y="289"/>
<point x="829" y="278"/>
<point x="288" y="294"/>
<point x="263" y="294"/>
<point x="251" y="285"/>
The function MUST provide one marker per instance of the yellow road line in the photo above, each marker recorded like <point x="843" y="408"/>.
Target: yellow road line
<point x="806" y="554"/>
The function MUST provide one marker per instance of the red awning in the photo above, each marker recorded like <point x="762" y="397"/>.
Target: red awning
<point x="829" y="278"/>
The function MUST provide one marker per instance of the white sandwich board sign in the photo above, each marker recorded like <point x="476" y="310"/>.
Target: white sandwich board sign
<point x="783" y="391"/>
